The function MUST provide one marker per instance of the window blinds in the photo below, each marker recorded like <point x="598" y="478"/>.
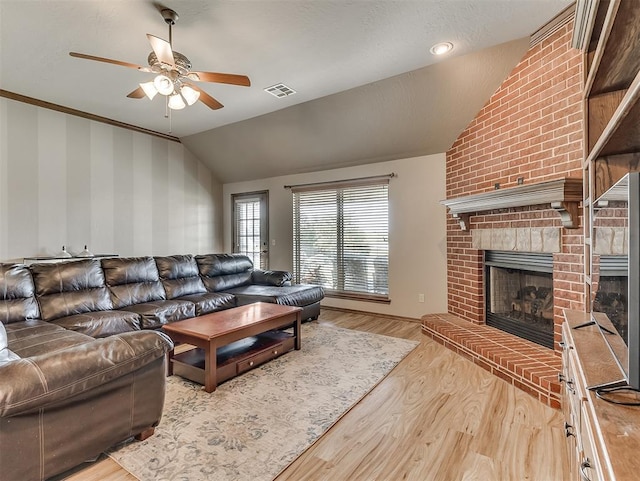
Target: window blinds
<point x="340" y="236"/>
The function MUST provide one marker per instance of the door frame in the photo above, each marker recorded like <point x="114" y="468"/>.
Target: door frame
<point x="263" y="196"/>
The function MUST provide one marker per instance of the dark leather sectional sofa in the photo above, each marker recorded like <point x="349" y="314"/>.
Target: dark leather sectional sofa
<point x="82" y="361"/>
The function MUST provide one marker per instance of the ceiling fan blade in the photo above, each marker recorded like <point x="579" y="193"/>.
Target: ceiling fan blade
<point x="223" y="78"/>
<point x="107" y="60"/>
<point x="162" y="49"/>
<point x="137" y="93"/>
<point x="207" y="99"/>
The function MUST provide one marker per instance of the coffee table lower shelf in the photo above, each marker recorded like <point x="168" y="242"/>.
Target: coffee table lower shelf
<point x="235" y="358"/>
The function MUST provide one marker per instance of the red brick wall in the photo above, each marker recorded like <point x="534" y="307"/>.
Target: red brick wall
<point x="532" y="127"/>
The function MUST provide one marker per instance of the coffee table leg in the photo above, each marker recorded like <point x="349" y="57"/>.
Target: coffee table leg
<point x="210" y="367"/>
<point x="170" y="362"/>
<point x="297" y="332"/>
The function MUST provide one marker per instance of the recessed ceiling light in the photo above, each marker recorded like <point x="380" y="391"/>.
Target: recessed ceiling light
<point x="280" y="90"/>
<point x="441" y="48"/>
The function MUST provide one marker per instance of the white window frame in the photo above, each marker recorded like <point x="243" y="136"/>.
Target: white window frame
<point x="251" y="235"/>
<point x="341" y="237"/>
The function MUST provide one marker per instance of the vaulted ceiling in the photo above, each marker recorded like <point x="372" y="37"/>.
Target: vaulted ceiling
<point x="368" y="89"/>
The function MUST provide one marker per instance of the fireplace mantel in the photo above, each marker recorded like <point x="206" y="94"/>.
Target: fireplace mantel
<point x="564" y="195"/>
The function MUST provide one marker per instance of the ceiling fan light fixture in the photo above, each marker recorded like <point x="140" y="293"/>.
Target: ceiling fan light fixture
<point x="176" y="102"/>
<point x="149" y="89"/>
<point x="163" y="84"/>
<point x="190" y="95"/>
<point x="172" y="73"/>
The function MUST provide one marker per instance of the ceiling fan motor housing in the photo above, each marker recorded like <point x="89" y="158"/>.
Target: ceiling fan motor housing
<point x="183" y="64"/>
<point x="170" y="17"/>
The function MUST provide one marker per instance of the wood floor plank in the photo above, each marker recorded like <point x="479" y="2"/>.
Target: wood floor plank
<point x="437" y="417"/>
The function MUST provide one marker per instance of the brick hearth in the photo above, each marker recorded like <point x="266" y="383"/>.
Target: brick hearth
<point x="523" y="364"/>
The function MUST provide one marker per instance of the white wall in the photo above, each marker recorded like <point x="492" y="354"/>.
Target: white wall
<point x="417" y="238"/>
<point x="66" y="180"/>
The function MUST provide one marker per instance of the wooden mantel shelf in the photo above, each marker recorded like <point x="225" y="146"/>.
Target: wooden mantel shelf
<point x="564" y="195"/>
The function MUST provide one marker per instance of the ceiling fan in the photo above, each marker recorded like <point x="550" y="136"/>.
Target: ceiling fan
<point x="174" y="76"/>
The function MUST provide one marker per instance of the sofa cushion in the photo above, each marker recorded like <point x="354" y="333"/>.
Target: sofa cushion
<point x="220" y="272"/>
<point x="34" y="337"/>
<point x="208" y="302"/>
<point x="297" y="295"/>
<point x="271" y="278"/>
<point x="101" y="323"/>
<point x="157" y="313"/>
<point x="179" y="275"/>
<point x="17" y="299"/>
<point x="132" y="280"/>
<point x="64" y="375"/>
<point x="68" y="288"/>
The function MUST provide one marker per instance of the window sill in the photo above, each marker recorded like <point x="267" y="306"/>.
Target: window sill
<point x="358" y="296"/>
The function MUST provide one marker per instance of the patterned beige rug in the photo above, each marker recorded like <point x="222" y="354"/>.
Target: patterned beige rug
<point x="254" y="426"/>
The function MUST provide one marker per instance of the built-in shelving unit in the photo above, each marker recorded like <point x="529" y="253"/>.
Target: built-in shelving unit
<point x="612" y="92"/>
<point x="608" y="31"/>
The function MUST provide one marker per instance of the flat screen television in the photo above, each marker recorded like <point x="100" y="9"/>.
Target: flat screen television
<point x="625" y="343"/>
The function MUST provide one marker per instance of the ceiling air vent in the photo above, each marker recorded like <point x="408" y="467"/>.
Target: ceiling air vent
<point x="280" y="90"/>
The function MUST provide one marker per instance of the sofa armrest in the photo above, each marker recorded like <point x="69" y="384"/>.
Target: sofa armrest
<point x="48" y="379"/>
<point x="271" y="278"/>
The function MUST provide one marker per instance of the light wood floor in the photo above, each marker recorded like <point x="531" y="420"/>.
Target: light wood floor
<point x="436" y="417"/>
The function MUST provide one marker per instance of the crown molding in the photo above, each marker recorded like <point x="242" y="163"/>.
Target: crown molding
<point x="586" y="11"/>
<point x="552" y="26"/>
<point x="85" y="115"/>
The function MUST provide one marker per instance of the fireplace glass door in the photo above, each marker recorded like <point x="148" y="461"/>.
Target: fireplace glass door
<point x="520" y="301"/>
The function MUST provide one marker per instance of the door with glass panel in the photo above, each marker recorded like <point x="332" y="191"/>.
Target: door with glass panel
<point x="251" y="226"/>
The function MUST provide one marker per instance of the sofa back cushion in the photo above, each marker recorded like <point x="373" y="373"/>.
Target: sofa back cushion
<point x="179" y="276"/>
<point x="224" y="271"/>
<point x="17" y="298"/>
<point x="132" y="280"/>
<point x="68" y="288"/>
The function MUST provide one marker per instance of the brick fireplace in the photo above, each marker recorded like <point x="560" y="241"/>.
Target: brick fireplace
<point x="529" y="132"/>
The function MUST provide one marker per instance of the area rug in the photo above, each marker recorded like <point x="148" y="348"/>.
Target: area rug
<point x="253" y="426"/>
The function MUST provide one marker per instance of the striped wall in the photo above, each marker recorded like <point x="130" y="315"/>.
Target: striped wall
<point x="65" y="180"/>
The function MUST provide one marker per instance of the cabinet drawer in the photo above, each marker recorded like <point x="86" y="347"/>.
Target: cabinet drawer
<point x="589" y="462"/>
<point x="259" y="358"/>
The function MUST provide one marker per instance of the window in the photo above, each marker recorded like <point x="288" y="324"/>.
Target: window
<point x="250" y="223"/>
<point x="340" y="237"/>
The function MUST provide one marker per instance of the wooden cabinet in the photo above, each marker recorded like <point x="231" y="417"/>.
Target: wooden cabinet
<point x="603" y="438"/>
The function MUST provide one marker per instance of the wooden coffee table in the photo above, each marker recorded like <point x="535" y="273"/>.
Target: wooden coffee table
<point x="232" y="341"/>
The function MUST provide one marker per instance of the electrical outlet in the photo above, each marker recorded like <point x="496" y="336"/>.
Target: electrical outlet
<point x="420" y="297"/>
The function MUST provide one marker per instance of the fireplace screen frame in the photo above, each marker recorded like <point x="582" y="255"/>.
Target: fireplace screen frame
<point x="530" y="263"/>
